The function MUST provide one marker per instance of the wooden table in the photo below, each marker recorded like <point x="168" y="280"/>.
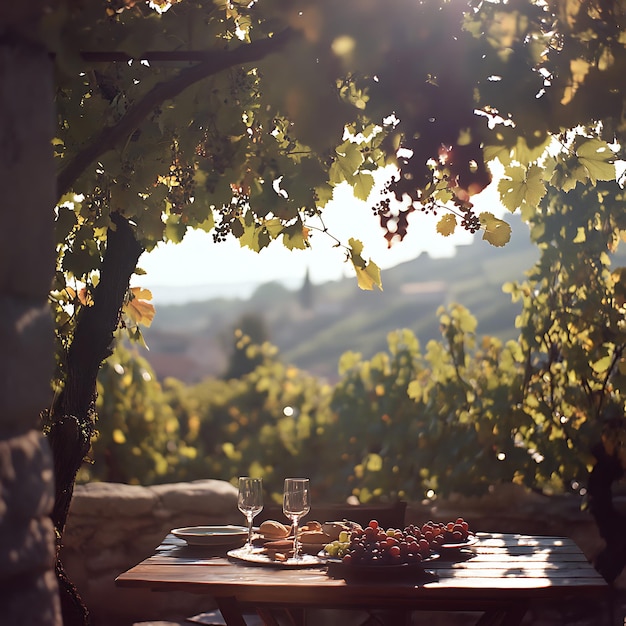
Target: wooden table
<point x="499" y="576"/>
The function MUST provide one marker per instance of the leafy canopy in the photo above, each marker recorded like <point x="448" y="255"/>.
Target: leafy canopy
<point x="241" y="118"/>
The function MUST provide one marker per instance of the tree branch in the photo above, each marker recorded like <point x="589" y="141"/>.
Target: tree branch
<point x="109" y="137"/>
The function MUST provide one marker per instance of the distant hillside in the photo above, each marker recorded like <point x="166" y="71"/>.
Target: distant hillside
<point x="314" y="325"/>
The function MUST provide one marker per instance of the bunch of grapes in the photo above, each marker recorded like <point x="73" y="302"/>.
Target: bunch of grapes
<point x="439" y="533"/>
<point x="340" y="547"/>
<point x="373" y="545"/>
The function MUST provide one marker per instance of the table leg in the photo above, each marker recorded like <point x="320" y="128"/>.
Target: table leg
<point x="292" y="617"/>
<point x="267" y="616"/>
<point x="510" y="616"/>
<point x="231" y="611"/>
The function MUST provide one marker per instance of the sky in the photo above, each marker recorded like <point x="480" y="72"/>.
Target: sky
<point x="197" y="268"/>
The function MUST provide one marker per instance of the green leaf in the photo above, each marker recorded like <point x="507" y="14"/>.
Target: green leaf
<point x="249" y="238"/>
<point x="237" y="228"/>
<point x="363" y="184"/>
<point x="447" y="224"/>
<point x="497" y="231"/>
<point x="499" y="152"/>
<point x="175" y="229"/>
<point x="274" y="227"/>
<point x="598" y="160"/>
<point x="295" y="236"/>
<point x="602" y="365"/>
<point x="324" y="194"/>
<point x="348" y="160"/>
<point x="65" y="222"/>
<point x="520" y="187"/>
<point x="356" y="247"/>
<point x="208" y="224"/>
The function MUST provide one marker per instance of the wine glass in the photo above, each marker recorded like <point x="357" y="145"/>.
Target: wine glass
<point x="296" y="504"/>
<point x="250" y="501"/>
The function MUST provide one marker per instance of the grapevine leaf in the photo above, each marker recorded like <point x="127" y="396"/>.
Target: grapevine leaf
<point x="368" y="277"/>
<point x="138" y="309"/>
<point x="348" y="160"/>
<point x="363" y="184"/>
<point x="520" y="187"/>
<point x="237" y="227"/>
<point x="356" y="247"/>
<point x="602" y="365"/>
<point x="501" y="153"/>
<point x="497" y="231"/>
<point x="249" y="237"/>
<point x="367" y="272"/>
<point x="296" y="236"/>
<point x="324" y="194"/>
<point x="65" y="222"/>
<point x="175" y="229"/>
<point x="446" y="225"/>
<point x="596" y="157"/>
<point x="208" y="224"/>
<point x="273" y="226"/>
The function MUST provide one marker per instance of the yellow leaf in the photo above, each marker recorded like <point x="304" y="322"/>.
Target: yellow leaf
<point x="367" y="272"/>
<point x="368" y="277"/>
<point x="356" y="247"/>
<point x="497" y="231"/>
<point x="138" y="309"/>
<point x="142" y="294"/>
<point x="84" y="297"/>
<point x="446" y="225"/>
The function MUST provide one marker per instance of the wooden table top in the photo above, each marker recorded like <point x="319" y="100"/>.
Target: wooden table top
<point x="498" y="568"/>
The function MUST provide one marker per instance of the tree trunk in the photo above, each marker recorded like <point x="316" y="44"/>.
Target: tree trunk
<point x="73" y="414"/>
<point x="611" y="523"/>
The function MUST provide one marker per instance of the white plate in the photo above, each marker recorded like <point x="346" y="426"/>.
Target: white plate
<point x="212" y="535"/>
<point x="258" y="557"/>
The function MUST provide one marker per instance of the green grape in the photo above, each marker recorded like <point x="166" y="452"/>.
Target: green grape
<point x="337" y="548"/>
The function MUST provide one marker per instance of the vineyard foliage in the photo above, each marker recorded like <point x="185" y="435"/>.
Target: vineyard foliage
<point x="241" y="119"/>
<point x="457" y="415"/>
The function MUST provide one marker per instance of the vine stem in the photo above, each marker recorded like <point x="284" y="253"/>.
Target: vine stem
<point x="219" y="60"/>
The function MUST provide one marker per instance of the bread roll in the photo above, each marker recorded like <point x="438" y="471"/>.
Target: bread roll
<point x="314" y="537"/>
<point x="271" y="529"/>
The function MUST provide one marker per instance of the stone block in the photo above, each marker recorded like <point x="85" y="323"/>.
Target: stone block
<point x="212" y="497"/>
<point x="112" y="500"/>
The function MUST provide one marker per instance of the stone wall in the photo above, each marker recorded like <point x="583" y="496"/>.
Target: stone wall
<point x="112" y="527"/>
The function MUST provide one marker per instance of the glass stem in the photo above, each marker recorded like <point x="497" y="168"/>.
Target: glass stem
<point x="295" y="537"/>
<point x="249" y="518"/>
